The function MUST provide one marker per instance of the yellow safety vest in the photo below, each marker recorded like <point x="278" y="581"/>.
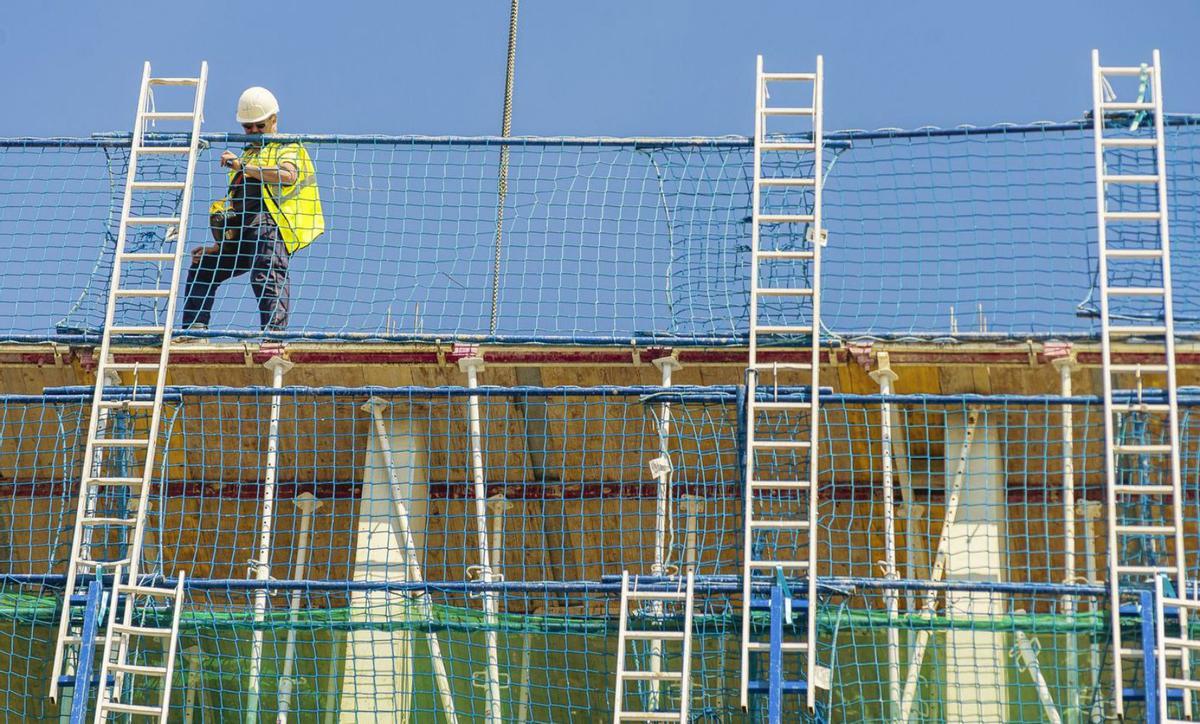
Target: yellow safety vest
<point x="296" y="209"/>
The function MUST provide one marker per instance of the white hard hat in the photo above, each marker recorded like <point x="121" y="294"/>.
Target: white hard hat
<point x="256" y="104"/>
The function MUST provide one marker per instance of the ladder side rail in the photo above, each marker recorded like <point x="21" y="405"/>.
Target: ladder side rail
<point x="623" y="623"/>
<point x="173" y="642"/>
<point x="1172" y="391"/>
<point x="751" y="394"/>
<point x="98" y="393"/>
<point x="815" y="409"/>
<point x="168" y="321"/>
<point x="105" y="693"/>
<point x="685" y="686"/>
<point x="1106" y="363"/>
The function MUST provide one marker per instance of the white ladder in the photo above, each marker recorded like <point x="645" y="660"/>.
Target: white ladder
<point x="91" y="526"/>
<point x="804" y="442"/>
<point x="1118" y="253"/>
<point x="121" y="630"/>
<point x="682" y="678"/>
<point x="1188" y="685"/>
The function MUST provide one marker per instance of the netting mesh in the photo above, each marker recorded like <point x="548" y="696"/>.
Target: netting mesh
<point x="931" y="233"/>
<point x="571" y="503"/>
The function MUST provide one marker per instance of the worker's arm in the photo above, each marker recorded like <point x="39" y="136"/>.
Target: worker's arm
<point x="285" y="174"/>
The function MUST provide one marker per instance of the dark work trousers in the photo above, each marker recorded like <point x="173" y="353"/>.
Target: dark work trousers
<point x="259" y="251"/>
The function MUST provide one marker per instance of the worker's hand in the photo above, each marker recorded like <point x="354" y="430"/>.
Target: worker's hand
<point x="230" y="159"/>
<point x="199" y="252"/>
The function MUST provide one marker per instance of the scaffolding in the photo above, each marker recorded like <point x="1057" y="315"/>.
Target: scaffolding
<point x="438" y="517"/>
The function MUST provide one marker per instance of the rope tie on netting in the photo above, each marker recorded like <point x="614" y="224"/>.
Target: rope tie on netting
<point x="502" y="185"/>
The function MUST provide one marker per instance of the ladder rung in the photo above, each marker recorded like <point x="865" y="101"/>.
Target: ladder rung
<point x="785" y="219"/>
<point x="1147" y="329"/>
<point x="649" y="716"/>
<point x="1131" y="449"/>
<point x="135" y="709"/>
<point x="1145" y="529"/>
<point x="101" y="564"/>
<point x="789" y="366"/>
<point x="1144" y="570"/>
<point x="806" y="182"/>
<point x="1129" y="142"/>
<point x="1134" y="253"/>
<point x="1183" y="644"/>
<point x="147" y="256"/>
<point x="785" y="254"/>
<point x="1127" y="106"/>
<point x="148" y="591"/>
<point x="779" y="524"/>
<point x="773" y="405"/>
<point x="646" y="635"/>
<point x="653" y="676"/>
<point x="1132" y="215"/>
<point x="1137" y="368"/>
<point x="784" y="291"/>
<point x="1135" y="291"/>
<point x="771" y="565"/>
<point x="76" y="640"/>
<point x="115" y="481"/>
<point x="789" y="76"/>
<point x="143" y="292"/>
<point x="121" y="442"/>
<point x="168" y="116"/>
<point x="126" y="404"/>
<point x="142" y="631"/>
<point x="1125" y="70"/>
<point x="655" y="596"/>
<point x="158" y="185"/>
<point x="1143" y="489"/>
<point x="782" y="444"/>
<point x="138" y="670"/>
<point x="95" y="520"/>
<point x="787" y="111"/>
<point x="1182" y="684"/>
<point x="786" y="146"/>
<point x="782" y="329"/>
<point x="137" y="330"/>
<point x="153" y="221"/>
<point x="1142" y="407"/>
<point x="1130" y="179"/>
<point x="779" y="485"/>
<point x="174" y="81"/>
<point x="783" y="646"/>
<point x="132" y="367"/>
<point x="162" y="149"/>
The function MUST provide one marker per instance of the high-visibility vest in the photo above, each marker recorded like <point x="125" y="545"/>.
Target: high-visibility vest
<point x="296" y="209"/>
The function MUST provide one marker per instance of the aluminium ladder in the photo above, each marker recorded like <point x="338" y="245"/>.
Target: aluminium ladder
<point x="682" y="678"/>
<point x="1187" y="686"/>
<point x="91" y="525"/>
<point x="793" y="538"/>
<point x="1124" y="255"/>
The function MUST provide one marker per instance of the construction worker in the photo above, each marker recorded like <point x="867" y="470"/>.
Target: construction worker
<point x="272" y="210"/>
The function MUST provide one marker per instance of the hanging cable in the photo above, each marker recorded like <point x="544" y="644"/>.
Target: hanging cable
<point x="502" y="186"/>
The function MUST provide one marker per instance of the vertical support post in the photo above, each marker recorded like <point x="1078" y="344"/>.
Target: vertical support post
<point x="308" y="504"/>
<point x="692" y="506"/>
<point x="1091" y="510"/>
<point x="278" y="367"/>
<point x="472" y="367"/>
<point x="775" y="662"/>
<point x="884" y="376"/>
<point x="412" y="565"/>
<point x="1065" y="365"/>
<point x="1152" y="644"/>
<point x="662" y="469"/>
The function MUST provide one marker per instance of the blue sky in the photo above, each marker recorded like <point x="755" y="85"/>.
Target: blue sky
<point x="624" y="67"/>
